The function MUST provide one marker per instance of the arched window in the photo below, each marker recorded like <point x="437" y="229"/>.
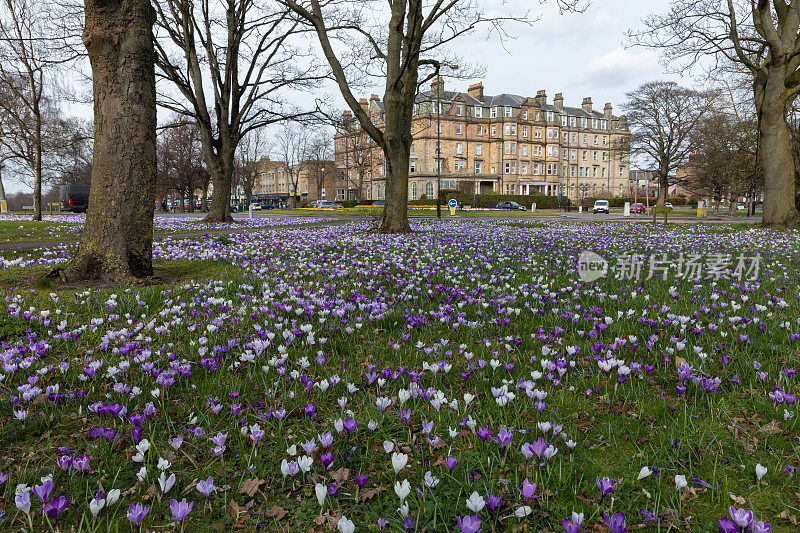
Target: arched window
<point x="413" y="191"/>
<point x="429" y="189"/>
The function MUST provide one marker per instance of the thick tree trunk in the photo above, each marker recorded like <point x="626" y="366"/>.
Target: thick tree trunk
<point x="220" y="166"/>
<point x="117" y="238"/>
<point x="2" y="189"/>
<point x="776" y="153"/>
<point x="663" y="185"/>
<point x="397" y="152"/>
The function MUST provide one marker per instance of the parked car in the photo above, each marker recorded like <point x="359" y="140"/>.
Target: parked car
<point x="326" y="204"/>
<point x="256" y="207"/>
<point x="509" y="206"/>
<point x="740" y="207"/>
<point x="668" y="205"/>
<point x="74" y="198"/>
<point x="638" y="208"/>
<point x="314" y="204"/>
<point x="601" y="206"/>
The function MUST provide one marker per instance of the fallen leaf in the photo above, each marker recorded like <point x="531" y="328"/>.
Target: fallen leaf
<point x="341" y="475"/>
<point x="738" y="499"/>
<point x="278" y="512"/>
<point x="772" y="428"/>
<point x="371" y="493"/>
<point x="250" y="486"/>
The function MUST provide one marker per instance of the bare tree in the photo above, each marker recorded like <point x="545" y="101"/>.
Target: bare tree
<point x="117" y="241"/>
<point x="252" y="148"/>
<point x="762" y="37"/>
<point x="26" y="61"/>
<point x="180" y="162"/>
<point x="292" y="147"/>
<point x="402" y="44"/>
<point x="230" y="60"/>
<point x="662" y="116"/>
<point x="318" y="158"/>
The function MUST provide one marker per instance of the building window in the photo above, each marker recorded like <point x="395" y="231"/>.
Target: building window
<point x="459" y="148"/>
<point x="524" y="168"/>
<point x="565" y="153"/>
<point x="479" y="130"/>
<point x="580" y="172"/>
<point x="594" y="156"/>
<point x="583" y="122"/>
<point x="572" y="171"/>
<point x="572" y="121"/>
<point x="584" y="155"/>
<point x="620" y="188"/>
<point x="494" y="131"/>
<point x="508" y="112"/>
<point x="493" y="113"/>
<point x="458" y="110"/>
<point x="429" y="189"/>
<point x="511" y="167"/>
<point x="412" y="148"/>
<point x="549" y="169"/>
<point x="605" y="140"/>
<point x="525" y="150"/>
<point x="525" y="131"/>
<point x="595" y="139"/>
<point x="594" y="172"/>
<point x="458" y="165"/>
<point x="563" y="120"/>
<point x="413" y="191"/>
<point x="478" y="112"/>
<point x="511" y="148"/>
<point x="525" y="115"/>
<point x="604" y="172"/>
<point x="412" y="129"/>
<point x="594" y="123"/>
<point x="537" y="116"/>
<point x="536" y="169"/>
<point x="550" y="116"/>
<point x="412" y="166"/>
<point x="477" y="167"/>
<point x="438" y="127"/>
<point x="478" y="149"/>
<point x="458" y="129"/>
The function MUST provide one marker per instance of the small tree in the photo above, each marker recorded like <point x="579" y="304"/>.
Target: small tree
<point x="292" y="147"/>
<point x="252" y="149"/>
<point x="229" y="61"/>
<point x="404" y="44"/>
<point x="117" y="241"/>
<point x="318" y="157"/>
<point x="662" y="116"/>
<point x="27" y="60"/>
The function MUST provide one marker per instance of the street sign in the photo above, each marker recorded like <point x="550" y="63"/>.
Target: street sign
<point x="452" y="204"/>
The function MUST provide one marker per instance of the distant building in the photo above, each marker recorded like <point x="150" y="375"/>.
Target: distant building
<point x="508" y="144"/>
<point x="308" y="180"/>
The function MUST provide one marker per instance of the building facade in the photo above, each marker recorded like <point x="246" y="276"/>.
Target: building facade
<point x="507" y="144"/>
<point x="306" y="181"/>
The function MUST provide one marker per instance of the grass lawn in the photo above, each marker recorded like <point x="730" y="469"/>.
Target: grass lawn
<point x="308" y="377"/>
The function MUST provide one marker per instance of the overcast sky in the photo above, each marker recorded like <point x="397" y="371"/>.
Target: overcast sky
<point x="577" y="54"/>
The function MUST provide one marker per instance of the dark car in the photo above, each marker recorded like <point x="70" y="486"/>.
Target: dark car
<point x="74" y="198"/>
<point x="326" y="204"/>
<point x="638" y="208"/>
<point x="509" y="206"/>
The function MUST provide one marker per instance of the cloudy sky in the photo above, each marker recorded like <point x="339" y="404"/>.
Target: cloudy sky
<point x="577" y="54"/>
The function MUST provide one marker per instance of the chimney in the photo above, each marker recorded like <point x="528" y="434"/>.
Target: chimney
<point x="363" y="103"/>
<point x="476" y="91"/>
<point x="587" y="104"/>
<point x="437" y="85"/>
<point x="558" y="101"/>
<point x="541" y="97"/>
<point x="608" y="111"/>
<point x="374" y="98"/>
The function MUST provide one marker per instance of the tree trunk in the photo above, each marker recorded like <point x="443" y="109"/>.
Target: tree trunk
<point x="117" y="242"/>
<point x="37" y="163"/>
<point x="220" y="166"/>
<point x="776" y="152"/>
<point x="2" y="189"/>
<point x="663" y="184"/>
<point x="397" y="152"/>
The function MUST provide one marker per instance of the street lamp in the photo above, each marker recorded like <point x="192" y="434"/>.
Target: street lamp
<point x="439" y="139"/>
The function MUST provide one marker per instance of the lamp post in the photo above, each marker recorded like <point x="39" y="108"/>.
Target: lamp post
<point x="439" y="138"/>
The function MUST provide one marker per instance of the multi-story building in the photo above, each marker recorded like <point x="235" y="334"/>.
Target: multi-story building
<point x="307" y="181"/>
<point x="508" y="144"/>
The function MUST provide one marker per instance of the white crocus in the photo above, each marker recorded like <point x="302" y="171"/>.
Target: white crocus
<point x="475" y="503"/>
<point x="399" y="461"/>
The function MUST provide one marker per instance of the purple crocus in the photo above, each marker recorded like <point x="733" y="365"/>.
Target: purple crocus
<point x="528" y="490"/>
<point x="206" y="487"/>
<point x="761" y="527"/>
<point x="503" y="438"/>
<point x="605" y="485"/>
<point x="616" y="522"/>
<point x="137" y="512"/>
<point x="726" y="525"/>
<point x="81" y="463"/>
<point x="451" y="462"/>
<point x="740" y="516"/>
<point x="493" y="502"/>
<point x="64" y="462"/>
<point x="180" y="509"/>
<point x="361" y="480"/>
<point x="56" y="507"/>
<point x="333" y="490"/>
<point x="469" y="524"/>
<point x="350" y="425"/>
<point x="43" y="491"/>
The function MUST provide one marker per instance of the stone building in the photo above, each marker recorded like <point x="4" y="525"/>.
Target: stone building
<point x="306" y="181"/>
<point x="508" y="144"/>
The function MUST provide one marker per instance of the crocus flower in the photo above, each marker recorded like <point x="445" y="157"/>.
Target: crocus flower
<point x="321" y="492"/>
<point x="605" y="485"/>
<point x="616" y="522"/>
<point x="493" y="502"/>
<point x="469" y="524"/>
<point x="726" y="525"/>
<point x="206" y="487"/>
<point x="399" y="461"/>
<point x="180" y="509"/>
<point x="43" y="491"/>
<point x="740" y="516"/>
<point x="528" y="490"/>
<point x="475" y="502"/>
<point x="573" y="524"/>
<point x="451" y="463"/>
<point x="345" y="526"/>
<point x="361" y="480"/>
<point x="761" y="527"/>
<point x="56" y="507"/>
<point x="23" y="502"/>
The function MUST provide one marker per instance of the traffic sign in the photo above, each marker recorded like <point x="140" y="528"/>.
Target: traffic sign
<point x="452" y="204"/>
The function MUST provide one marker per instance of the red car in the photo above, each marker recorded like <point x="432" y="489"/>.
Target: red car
<point x="637" y="208"/>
